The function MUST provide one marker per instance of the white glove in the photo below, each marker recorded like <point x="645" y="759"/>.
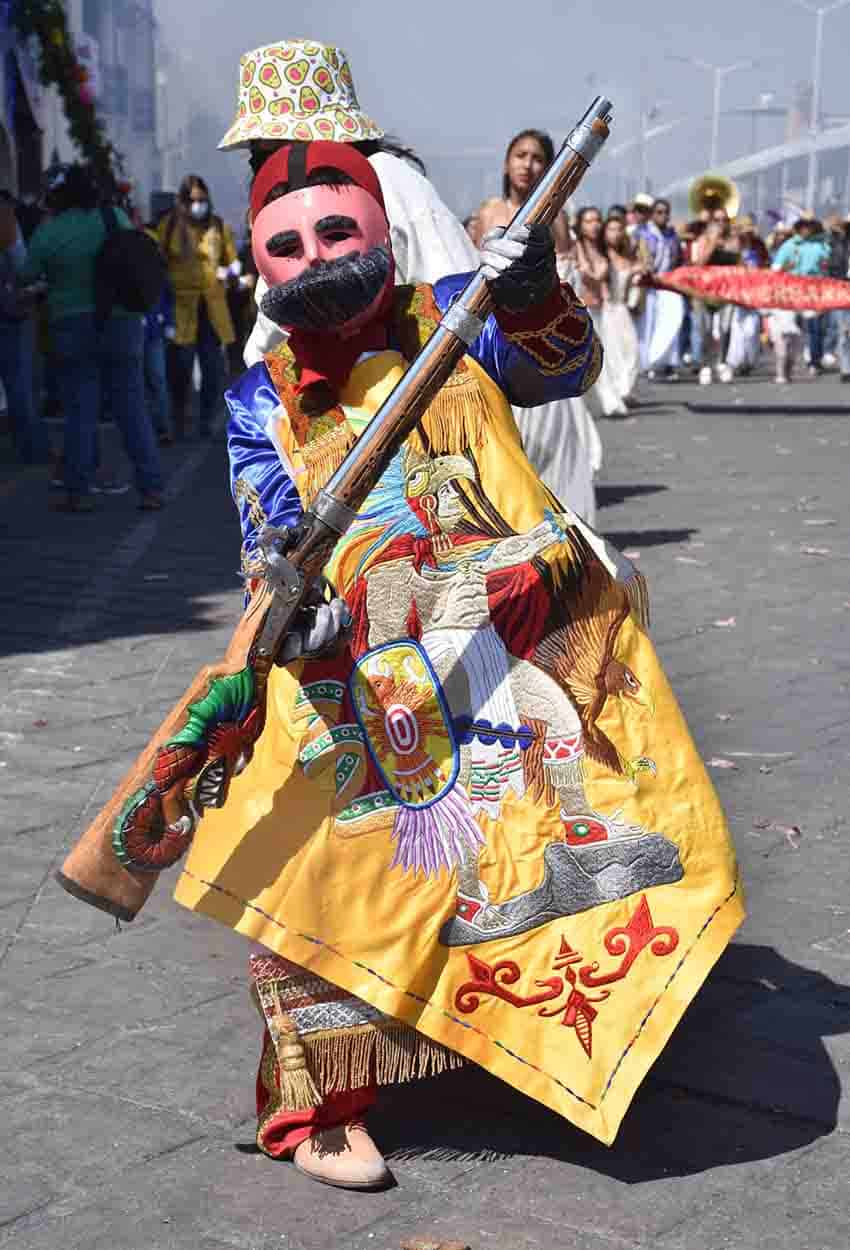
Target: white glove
<point x="317" y="629"/>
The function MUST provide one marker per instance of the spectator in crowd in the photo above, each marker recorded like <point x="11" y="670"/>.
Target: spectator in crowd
<point x="691" y="344"/>
<point x="529" y="155"/>
<point x="93" y="360"/>
<point x="604" y="399"/>
<point x="776" y="238"/>
<point x="591" y="260"/>
<point x="711" y="323"/>
<point x="806" y="254"/>
<point x="17" y="342"/>
<point x="619" y="336"/>
<point x="639" y="212"/>
<point x="838" y="266"/>
<point x="747" y="248"/>
<point x="836" y="237"/>
<point x="660" y="322"/>
<point x="201" y="256"/>
<point x="560" y="438"/>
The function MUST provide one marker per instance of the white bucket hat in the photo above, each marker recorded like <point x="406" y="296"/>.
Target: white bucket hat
<point x="297" y="89"/>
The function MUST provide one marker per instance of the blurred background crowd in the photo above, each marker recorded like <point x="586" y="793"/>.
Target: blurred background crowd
<point x="608" y="253"/>
<point x="160" y="377"/>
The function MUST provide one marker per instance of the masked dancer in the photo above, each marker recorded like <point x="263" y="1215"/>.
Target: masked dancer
<point x="461" y="816"/>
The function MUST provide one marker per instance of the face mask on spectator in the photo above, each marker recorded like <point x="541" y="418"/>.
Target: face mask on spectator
<point x="199" y="209"/>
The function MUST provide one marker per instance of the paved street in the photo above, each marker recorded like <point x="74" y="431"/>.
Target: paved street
<point x="127" y="1092"/>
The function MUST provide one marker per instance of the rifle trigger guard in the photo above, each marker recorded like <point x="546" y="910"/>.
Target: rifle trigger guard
<point x="281" y="575"/>
<point x="462" y="323"/>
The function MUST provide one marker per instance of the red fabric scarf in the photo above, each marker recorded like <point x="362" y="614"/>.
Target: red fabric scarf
<point x="327" y="359"/>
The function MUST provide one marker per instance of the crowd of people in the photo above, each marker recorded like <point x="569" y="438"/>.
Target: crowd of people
<point x="611" y="256"/>
<point x="63" y="353"/>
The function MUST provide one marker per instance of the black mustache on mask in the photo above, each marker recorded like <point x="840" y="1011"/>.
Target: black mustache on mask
<point x="329" y="294"/>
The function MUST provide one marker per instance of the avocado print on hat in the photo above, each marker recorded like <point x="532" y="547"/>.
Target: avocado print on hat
<point x="297" y="89"/>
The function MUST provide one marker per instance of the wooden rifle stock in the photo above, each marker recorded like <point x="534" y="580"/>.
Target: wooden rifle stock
<point x="151" y="800"/>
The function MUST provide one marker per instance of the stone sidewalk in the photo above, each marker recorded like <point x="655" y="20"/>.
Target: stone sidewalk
<point x="127" y="1090"/>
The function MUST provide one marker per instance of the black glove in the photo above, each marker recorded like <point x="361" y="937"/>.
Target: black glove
<point x="520" y="270"/>
<point x="323" y="618"/>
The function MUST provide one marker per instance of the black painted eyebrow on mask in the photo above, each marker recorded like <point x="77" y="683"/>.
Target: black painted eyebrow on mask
<point x="283" y="239"/>
<point x="336" y="222"/>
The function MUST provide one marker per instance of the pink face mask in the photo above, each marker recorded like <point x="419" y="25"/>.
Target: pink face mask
<point x="313" y="225"/>
<point x="318" y="232"/>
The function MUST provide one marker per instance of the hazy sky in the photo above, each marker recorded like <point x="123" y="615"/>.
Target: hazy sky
<point x="451" y="76"/>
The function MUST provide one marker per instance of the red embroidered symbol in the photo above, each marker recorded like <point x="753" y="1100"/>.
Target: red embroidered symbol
<point x="628" y="941"/>
<point x="576" y="1009"/>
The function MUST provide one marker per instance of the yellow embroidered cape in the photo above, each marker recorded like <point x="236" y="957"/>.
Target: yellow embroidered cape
<point x="487" y="818"/>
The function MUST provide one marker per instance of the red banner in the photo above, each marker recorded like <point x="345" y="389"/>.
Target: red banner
<point x="756" y="288"/>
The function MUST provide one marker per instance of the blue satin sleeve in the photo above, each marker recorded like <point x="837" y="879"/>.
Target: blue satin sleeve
<point x="262" y="490"/>
<point x="518" y="371"/>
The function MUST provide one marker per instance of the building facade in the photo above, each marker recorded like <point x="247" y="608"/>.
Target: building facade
<point x="21" y="112"/>
<point x="116" y="42"/>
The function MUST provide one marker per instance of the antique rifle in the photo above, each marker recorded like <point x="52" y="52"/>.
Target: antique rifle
<point x="208" y="736"/>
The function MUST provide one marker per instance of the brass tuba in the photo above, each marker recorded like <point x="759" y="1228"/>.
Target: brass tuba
<point x="713" y="191"/>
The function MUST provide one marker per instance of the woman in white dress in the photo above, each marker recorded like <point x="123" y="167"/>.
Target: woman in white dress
<point x="604" y="400"/>
<point x="560" y="439"/>
<point x="618" y="332"/>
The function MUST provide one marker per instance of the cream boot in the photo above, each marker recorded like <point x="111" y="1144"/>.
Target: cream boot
<point x="345" y="1156"/>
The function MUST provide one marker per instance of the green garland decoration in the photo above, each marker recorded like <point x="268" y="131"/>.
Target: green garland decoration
<point x="60" y="68"/>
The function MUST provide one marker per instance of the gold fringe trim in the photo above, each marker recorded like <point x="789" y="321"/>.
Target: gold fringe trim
<point x="456" y="417"/>
<point x="569" y="774"/>
<point x="387" y="1052"/>
<point x="323" y="456"/>
<point x="638" y="593"/>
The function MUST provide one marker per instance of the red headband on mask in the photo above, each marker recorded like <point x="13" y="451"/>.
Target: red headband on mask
<point x="293" y="164"/>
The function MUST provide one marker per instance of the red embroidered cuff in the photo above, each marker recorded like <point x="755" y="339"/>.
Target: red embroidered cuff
<point x="561" y="306"/>
<point x="556" y="333"/>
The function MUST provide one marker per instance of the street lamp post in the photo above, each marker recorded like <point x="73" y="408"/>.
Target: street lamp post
<point x="641" y="141"/>
<point x="814" y="116"/>
<point x="719" y="72"/>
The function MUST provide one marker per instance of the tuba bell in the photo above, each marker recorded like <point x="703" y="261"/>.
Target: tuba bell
<point x="713" y="191"/>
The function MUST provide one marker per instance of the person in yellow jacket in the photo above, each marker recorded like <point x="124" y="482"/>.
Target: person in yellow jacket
<point x="201" y="256"/>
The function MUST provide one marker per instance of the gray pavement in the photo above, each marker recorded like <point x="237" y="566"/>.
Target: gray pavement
<point x="127" y="1093"/>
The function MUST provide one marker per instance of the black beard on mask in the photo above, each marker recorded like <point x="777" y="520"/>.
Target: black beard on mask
<point x="328" y="295"/>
